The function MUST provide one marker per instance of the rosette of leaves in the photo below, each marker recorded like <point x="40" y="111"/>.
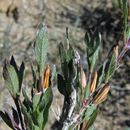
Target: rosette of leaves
<point x="31" y="113"/>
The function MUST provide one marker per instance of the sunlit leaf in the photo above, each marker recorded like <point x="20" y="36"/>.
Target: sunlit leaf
<point x="90" y="111"/>
<point x="101" y="74"/>
<point x="41" y="48"/>
<point x="11" y="79"/>
<point x="111" y="67"/>
<point x="63" y="60"/>
<point x="27" y="117"/>
<point x="36" y="100"/>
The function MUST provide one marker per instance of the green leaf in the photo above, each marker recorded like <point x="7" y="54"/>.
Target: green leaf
<point x="20" y="75"/>
<point x="37" y="117"/>
<point x="48" y="97"/>
<point x="45" y="115"/>
<point x="25" y="95"/>
<point x="125" y="14"/>
<point x="128" y="33"/>
<point x="61" y="84"/>
<point x="13" y="63"/>
<point x="95" y="51"/>
<point x="27" y="103"/>
<point x="62" y="53"/>
<point x="11" y="79"/>
<point x="27" y="117"/>
<point x="70" y="54"/>
<point x="36" y="100"/>
<point x="91" y="127"/>
<point x="41" y="104"/>
<point x="87" y="38"/>
<point x="63" y="60"/>
<point x="101" y="74"/>
<point x="35" y="127"/>
<point x="86" y="92"/>
<point x="94" y="58"/>
<point x="20" y="71"/>
<point x="34" y="77"/>
<point x="93" y="45"/>
<point x="92" y="118"/>
<point x="112" y="67"/>
<point x="41" y="48"/>
<point x="90" y="111"/>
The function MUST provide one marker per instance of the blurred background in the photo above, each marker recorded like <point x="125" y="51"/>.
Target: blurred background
<point x="19" y="20"/>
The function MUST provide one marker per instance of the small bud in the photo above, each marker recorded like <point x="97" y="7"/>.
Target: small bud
<point x="93" y="85"/>
<point x="83" y="78"/>
<point x="46" y="77"/>
<point x="101" y="94"/>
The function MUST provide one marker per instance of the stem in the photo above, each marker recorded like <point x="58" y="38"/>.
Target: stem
<point x="122" y="54"/>
<point x="19" y="112"/>
<point x="67" y="122"/>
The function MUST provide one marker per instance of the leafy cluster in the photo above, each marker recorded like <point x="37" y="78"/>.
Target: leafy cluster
<point x="31" y="113"/>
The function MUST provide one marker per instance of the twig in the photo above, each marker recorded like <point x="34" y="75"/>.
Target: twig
<point x="67" y="122"/>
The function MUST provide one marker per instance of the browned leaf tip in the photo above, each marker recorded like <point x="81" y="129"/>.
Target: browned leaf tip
<point x="93" y="84"/>
<point x="101" y="94"/>
<point x="46" y="77"/>
<point x="83" y="78"/>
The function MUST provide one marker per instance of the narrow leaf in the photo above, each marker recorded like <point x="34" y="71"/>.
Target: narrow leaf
<point x="90" y="111"/>
<point x="63" y="59"/>
<point x="41" y="48"/>
<point x="34" y="77"/>
<point x="92" y="119"/>
<point x="11" y="79"/>
<point x="36" y="100"/>
<point x="27" y="118"/>
<point x="13" y="63"/>
<point x="112" y="67"/>
<point x="20" y="75"/>
<point x="61" y="84"/>
<point x="101" y="74"/>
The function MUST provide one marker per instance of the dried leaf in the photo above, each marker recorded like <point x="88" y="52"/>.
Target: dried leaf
<point x="93" y="85"/>
<point x="46" y="78"/>
<point x="83" y="78"/>
<point x="101" y="94"/>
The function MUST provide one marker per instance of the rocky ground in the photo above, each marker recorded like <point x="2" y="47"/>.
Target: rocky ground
<point x="19" y="20"/>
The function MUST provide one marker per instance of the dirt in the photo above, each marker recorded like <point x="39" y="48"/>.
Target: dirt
<point x="19" y="22"/>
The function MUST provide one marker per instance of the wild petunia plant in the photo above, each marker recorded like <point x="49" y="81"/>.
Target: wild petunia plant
<point x="83" y="89"/>
<point x="31" y="113"/>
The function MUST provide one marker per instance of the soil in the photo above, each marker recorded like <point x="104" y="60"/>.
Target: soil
<point x="19" y="22"/>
